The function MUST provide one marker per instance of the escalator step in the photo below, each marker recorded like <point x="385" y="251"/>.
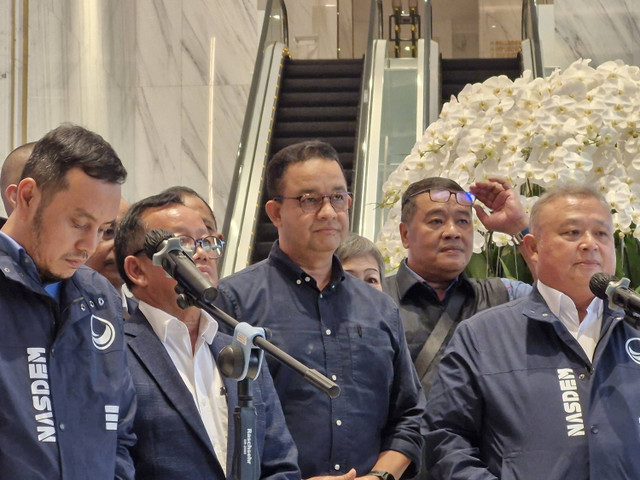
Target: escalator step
<point x="289" y="114"/>
<point x="320" y="129"/>
<point x="346" y="159"/>
<point x="322" y="69"/>
<point x="481" y="63"/>
<point x="341" y="144"/>
<point x="315" y="99"/>
<point x="266" y="231"/>
<point x="341" y="84"/>
<point x="475" y="76"/>
<point x="260" y="251"/>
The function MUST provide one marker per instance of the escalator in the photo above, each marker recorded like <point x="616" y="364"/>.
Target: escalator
<point x="457" y="72"/>
<point x="318" y="99"/>
<point x="371" y="110"/>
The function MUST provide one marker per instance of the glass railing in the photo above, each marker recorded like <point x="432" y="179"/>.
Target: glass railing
<point x="530" y="32"/>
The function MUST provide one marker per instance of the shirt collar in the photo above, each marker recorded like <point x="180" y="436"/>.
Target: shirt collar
<point x="166" y="325"/>
<point x="408" y="278"/>
<point x="564" y="308"/>
<point x="293" y="271"/>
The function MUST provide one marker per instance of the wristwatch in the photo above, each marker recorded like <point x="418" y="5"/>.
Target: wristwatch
<point x="382" y="475"/>
<point x="518" y="238"/>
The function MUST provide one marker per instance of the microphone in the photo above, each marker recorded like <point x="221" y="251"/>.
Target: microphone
<point x="164" y="249"/>
<point x="617" y="292"/>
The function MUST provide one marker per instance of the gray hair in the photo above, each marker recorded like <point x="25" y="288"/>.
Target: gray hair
<point x="561" y="191"/>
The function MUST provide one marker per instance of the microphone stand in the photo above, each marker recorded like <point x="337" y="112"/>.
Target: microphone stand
<point x="242" y="360"/>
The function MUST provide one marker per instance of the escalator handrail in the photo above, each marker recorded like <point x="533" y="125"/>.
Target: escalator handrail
<point x="252" y="103"/>
<point x="376" y="32"/>
<point x="426" y="86"/>
<point x="530" y="31"/>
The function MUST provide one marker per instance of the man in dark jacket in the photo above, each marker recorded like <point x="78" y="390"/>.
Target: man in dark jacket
<point x="66" y="393"/>
<point x="430" y="288"/>
<point x="545" y="386"/>
<point x="184" y="421"/>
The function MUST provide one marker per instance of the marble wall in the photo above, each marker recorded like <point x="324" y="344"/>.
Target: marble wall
<point x="194" y="61"/>
<point x="165" y="81"/>
<point x="601" y="30"/>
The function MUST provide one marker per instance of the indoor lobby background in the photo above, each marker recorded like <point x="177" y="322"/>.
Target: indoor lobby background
<point x="166" y="82"/>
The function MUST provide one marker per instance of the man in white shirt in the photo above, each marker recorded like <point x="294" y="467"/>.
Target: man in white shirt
<point x="184" y="421"/>
<point x="545" y="386"/>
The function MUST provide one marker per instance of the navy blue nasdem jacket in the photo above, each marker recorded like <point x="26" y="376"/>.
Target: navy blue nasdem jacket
<point x="67" y="396"/>
<point x="516" y="397"/>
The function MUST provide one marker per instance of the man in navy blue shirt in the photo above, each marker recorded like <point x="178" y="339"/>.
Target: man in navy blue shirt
<point x="332" y="322"/>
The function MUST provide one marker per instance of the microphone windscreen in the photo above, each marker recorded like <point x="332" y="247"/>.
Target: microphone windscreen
<point x="153" y="240"/>
<point x="599" y="283"/>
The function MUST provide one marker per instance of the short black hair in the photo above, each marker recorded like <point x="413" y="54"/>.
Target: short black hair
<point x="298" y="152"/>
<point x="431" y="183"/>
<point x="71" y="146"/>
<point x="130" y="231"/>
<point x="182" y="190"/>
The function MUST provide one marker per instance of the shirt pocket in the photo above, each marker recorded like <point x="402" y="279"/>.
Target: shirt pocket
<point x="372" y="357"/>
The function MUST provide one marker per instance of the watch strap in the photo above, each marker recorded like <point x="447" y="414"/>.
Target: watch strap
<point x="518" y="238"/>
<point x="382" y="475"/>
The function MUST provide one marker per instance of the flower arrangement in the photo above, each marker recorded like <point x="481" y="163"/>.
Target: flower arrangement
<point x="580" y="124"/>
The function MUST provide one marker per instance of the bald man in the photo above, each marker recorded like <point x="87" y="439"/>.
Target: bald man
<point x="11" y="173"/>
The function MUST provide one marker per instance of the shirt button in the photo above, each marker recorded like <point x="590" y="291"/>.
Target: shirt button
<point x="321" y="296"/>
<point x="91" y="303"/>
<point x="298" y="281"/>
<point x="594" y="429"/>
<point x="334" y="377"/>
<point x="7" y="269"/>
<point x="338" y="422"/>
<point x="327" y="331"/>
<point x="100" y="301"/>
<point x="62" y="427"/>
<point x="545" y="314"/>
<point x="83" y="307"/>
<point x="307" y="279"/>
<point x="582" y="376"/>
<point x="336" y="467"/>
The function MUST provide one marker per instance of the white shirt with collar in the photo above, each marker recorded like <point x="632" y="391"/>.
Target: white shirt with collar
<point x="587" y="332"/>
<point x="197" y="369"/>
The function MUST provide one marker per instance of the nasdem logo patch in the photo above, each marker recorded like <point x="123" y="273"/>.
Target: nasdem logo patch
<point x="633" y="349"/>
<point x="102" y="333"/>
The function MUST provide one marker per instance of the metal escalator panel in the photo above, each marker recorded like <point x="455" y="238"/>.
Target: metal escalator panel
<point x="246" y="195"/>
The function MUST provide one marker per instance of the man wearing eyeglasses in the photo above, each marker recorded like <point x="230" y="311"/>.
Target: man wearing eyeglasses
<point x="185" y="406"/>
<point x="332" y="322"/>
<point x="430" y="288"/>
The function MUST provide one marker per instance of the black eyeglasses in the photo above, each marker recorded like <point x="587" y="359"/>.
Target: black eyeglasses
<point x="442" y="196"/>
<point x="312" y="202"/>
<point x="212" y="245"/>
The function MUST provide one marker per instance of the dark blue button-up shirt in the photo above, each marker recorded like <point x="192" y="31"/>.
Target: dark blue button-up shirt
<point x="349" y="332"/>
